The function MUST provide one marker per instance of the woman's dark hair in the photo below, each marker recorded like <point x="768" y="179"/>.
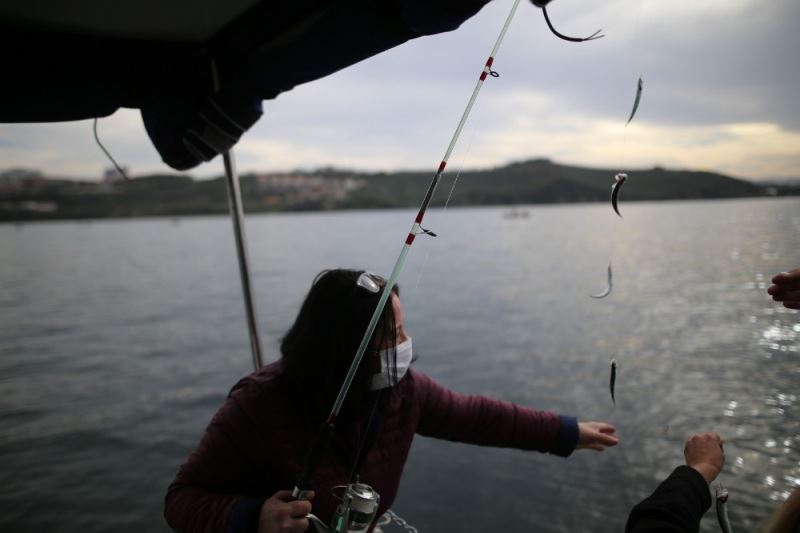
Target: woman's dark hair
<point x="319" y="348"/>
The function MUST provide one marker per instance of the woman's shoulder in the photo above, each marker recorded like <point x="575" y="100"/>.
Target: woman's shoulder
<point x="419" y="380"/>
<point x="417" y="384"/>
<point x="263" y="382"/>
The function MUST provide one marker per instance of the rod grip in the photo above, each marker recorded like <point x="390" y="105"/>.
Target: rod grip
<point x="313" y="460"/>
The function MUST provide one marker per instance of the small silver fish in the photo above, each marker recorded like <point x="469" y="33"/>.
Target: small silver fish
<point x="610" y="285"/>
<point x="613" y="379"/>
<point x="722" y="509"/>
<point x="619" y="179"/>
<point x="636" y="101"/>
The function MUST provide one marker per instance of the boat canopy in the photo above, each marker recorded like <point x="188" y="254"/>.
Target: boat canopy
<point x="197" y="69"/>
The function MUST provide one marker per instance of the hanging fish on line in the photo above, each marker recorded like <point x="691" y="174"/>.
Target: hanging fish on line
<point x="610" y="285"/>
<point x="636" y="101"/>
<point x="426" y="232"/>
<point x="619" y="179"/>
<point x="613" y="380"/>
<point x="722" y="509"/>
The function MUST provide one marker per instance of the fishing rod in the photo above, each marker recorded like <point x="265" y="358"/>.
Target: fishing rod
<point x="360" y="502"/>
<point x="303" y="485"/>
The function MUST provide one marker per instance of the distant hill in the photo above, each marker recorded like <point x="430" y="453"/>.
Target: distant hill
<point x="541" y="181"/>
<point x="32" y="196"/>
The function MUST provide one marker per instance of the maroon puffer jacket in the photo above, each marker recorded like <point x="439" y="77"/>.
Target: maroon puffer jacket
<point x="256" y="443"/>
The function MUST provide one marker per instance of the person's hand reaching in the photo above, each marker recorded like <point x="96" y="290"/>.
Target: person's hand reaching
<point x="596" y="436"/>
<point x="786" y="288"/>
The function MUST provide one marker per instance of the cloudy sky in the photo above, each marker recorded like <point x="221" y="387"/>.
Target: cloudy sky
<point x="721" y="86"/>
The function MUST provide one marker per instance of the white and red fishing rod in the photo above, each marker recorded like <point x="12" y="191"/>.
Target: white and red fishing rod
<point x="321" y="443"/>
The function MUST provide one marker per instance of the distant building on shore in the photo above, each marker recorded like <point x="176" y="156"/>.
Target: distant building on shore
<point x="112" y="175"/>
<point x="13" y="178"/>
<point x="292" y="189"/>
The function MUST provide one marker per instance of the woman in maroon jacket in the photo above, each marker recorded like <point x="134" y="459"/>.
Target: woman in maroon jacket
<point x="238" y="478"/>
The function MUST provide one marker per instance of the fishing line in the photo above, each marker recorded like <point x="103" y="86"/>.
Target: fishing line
<point x="370" y="432"/>
<point x="108" y="155"/>
<point x="637" y="96"/>
<point x="623" y="146"/>
<point x="619" y="180"/>
<point x="636" y="100"/>
<point x="458" y="174"/>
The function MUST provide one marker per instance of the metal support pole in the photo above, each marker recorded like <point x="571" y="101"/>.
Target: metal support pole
<point x="237" y="214"/>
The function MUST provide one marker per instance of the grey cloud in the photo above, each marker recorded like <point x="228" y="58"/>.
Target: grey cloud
<point x="738" y="60"/>
<point x="701" y="66"/>
<point x="739" y="65"/>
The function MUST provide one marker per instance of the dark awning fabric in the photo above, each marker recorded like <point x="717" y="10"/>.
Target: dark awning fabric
<point x="198" y="93"/>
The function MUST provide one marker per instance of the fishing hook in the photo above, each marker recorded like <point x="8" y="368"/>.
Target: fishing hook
<point x="592" y="37"/>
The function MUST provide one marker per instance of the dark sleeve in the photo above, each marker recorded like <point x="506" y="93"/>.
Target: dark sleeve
<point x="209" y="491"/>
<point x="243" y="516"/>
<point x="676" y="505"/>
<point x="445" y="414"/>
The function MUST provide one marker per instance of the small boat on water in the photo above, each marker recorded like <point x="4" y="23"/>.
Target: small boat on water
<point x="516" y="212"/>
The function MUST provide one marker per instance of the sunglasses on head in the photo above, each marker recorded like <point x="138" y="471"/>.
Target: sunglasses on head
<point x="370" y="282"/>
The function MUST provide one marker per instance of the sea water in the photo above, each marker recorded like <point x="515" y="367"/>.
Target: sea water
<point x="119" y="339"/>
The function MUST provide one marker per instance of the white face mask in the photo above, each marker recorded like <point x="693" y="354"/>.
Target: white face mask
<point x="402" y="360"/>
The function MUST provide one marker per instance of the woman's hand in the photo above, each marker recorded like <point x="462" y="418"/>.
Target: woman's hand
<point x="786" y="288"/>
<point x="282" y="514"/>
<point x="596" y="436"/>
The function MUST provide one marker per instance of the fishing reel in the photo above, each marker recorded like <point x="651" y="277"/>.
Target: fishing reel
<point x="356" y="511"/>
